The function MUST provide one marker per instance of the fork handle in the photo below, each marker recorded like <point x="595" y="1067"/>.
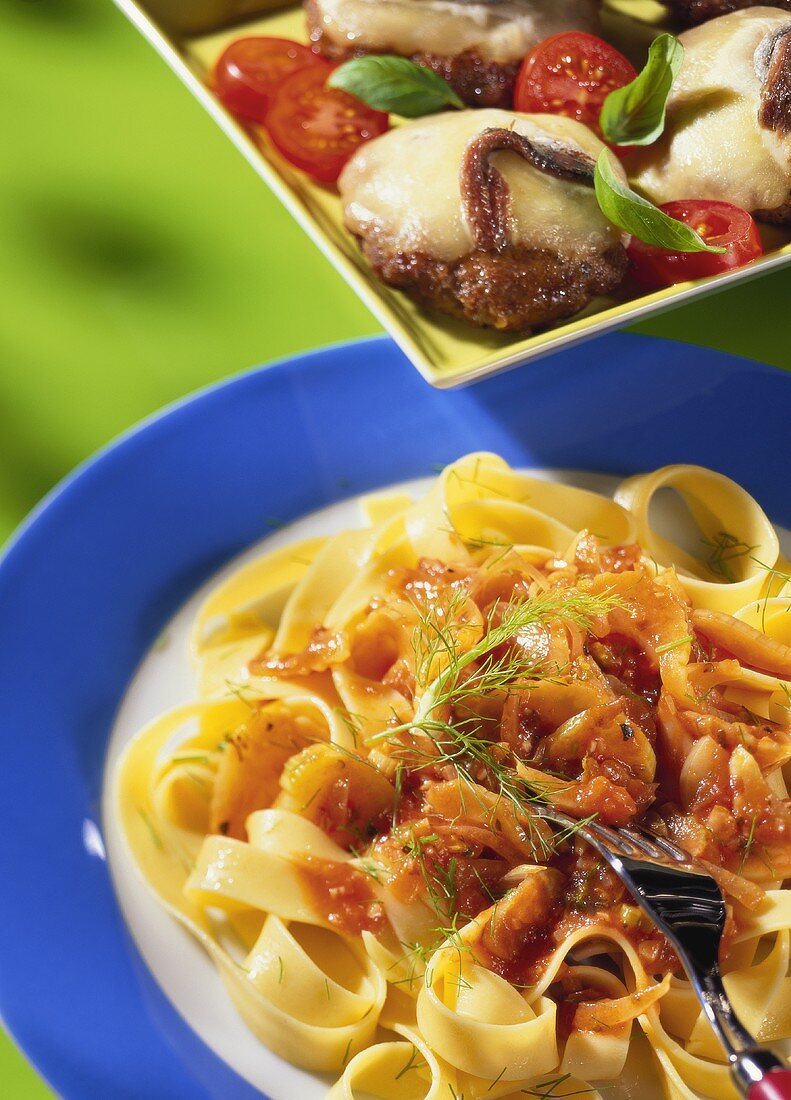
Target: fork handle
<point x="775" y="1085"/>
<point x="761" y="1075"/>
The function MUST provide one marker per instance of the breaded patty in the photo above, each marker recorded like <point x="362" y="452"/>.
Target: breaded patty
<point x="516" y="291"/>
<point x="485" y="215"/>
<point x="698" y="11"/>
<point x="476" y="45"/>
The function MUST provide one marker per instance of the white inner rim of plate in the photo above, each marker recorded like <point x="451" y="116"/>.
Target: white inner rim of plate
<point x="182" y="969"/>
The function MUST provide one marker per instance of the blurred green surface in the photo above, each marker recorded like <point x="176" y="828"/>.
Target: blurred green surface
<point x="140" y="258"/>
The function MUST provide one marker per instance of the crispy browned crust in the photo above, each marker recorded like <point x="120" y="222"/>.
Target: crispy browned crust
<point x="781" y="215"/>
<point x="515" y="290"/>
<point x="698" y="11"/>
<point x="478" y="82"/>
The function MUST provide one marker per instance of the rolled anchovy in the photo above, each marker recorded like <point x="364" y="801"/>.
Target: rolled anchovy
<point x="773" y="65"/>
<point x="484" y="190"/>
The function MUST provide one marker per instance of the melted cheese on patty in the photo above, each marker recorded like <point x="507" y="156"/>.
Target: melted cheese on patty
<point x="714" y="146"/>
<point x="501" y="31"/>
<point x="404" y="187"/>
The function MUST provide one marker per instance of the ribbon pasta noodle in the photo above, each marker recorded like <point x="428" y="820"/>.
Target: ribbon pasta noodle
<point x="345" y="816"/>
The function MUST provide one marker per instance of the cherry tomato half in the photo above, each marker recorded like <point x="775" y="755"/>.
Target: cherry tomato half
<point x="250" y="70"/>
<point x="571" y="74"/>
<point x="718" y="223"/>
<point x="318" y="128"/>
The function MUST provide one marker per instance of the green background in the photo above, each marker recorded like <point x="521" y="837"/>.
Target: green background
<point x="140" y="258"/>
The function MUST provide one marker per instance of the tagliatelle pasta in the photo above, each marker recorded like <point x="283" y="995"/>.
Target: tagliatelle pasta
<point x="345" y="818"/>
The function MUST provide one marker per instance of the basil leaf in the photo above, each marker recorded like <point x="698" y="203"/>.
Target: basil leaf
<point x="635" y="114"/>
<point x="394" y="84"/>
<point x="636" y="215"/>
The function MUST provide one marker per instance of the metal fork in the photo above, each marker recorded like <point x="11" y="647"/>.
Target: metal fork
<point x="687" y="906"/>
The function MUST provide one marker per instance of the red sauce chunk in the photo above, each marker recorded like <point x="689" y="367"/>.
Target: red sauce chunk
<point x="619" y="656"/>
<point x="342" y="895"/>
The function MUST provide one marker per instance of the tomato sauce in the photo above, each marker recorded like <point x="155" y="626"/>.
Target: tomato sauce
<point x="342" y="895"/>
<point x="618" y="656"/>
<point x="451" y="853"/>
<point x="524" y="969"/>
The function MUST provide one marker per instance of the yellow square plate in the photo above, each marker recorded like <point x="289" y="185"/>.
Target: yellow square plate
<point x="447" y="352"/>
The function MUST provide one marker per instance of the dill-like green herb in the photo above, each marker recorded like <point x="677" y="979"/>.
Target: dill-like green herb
<point x="352" y="721"/>
<point x="419" y="950"/>
<point x="414" y="845"/>
<point x="750" y="716"/>
<point x="398" y="783"/>
<point x="491" y="562"/>
<point x="748" y="843"/>
<point x="224" y="742"/>
<point x="675" y="644"/>
<point x="458" y="677"/>
<point x="497" y="1079"/>
<point x="311" y="800"/>
<point x="412" y="1063"/>
<point x="484" y="885"/>
<point x="414" y="953"/>
<point x="773" y="574"/>
<point x="197" y="780"/>
<point x="370" y="868"/>
<point x="725" y="548"/>
<point x="149" y="824"/>
<point x="434" y="641"/>
<point x="476" y="542"/>
<point x="350" y="754"/>
<point x="546" y="1090"/>
<point x="478" y="484"/>
<point x="440" y="881"/>
<point x="448" y="935"/>
<point x="570" y="831"/>
<point x="451" y="937"/>
<point x="238" y="690"/>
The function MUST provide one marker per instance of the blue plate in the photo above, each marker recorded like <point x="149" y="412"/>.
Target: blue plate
<point x="90" y="579"/>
